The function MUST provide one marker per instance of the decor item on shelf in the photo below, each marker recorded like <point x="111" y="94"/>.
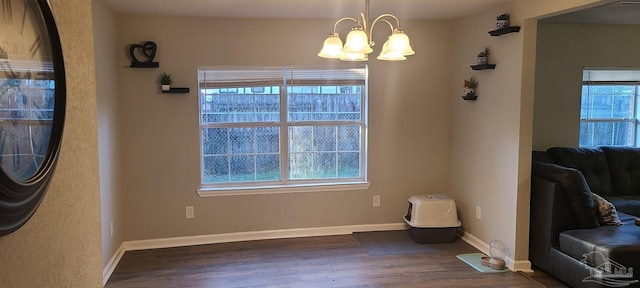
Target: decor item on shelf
<point x="470" y="86"/>
<point x="483" y="56"/>
<point x="165" y="80"/>
<point x="502" y="21"/>
<point x="358" y="43"/>
<point x="148" y="51"/>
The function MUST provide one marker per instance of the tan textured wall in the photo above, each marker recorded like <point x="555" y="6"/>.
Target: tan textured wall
<point x="408" y="132"/>
<point x="563" y="51"/>
<point x="60" y="245"/>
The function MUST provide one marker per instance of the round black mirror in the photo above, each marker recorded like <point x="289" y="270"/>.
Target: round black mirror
<point x="32" y="107"/>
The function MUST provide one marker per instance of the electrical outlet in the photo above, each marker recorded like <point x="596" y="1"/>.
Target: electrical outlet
<point x="189" y="213"/>
<point x="376" y="200"/>
<point x="111" y="229"/>
<point x="478" y="213"/>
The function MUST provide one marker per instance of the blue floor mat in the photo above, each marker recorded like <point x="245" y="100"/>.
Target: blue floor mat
<point x="473" y="260"/>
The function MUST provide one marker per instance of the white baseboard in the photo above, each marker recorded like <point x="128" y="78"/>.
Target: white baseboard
<point x="475" y="242"/>
<point x="113" y="262"/>
<point x="256" y="235"/>
<point x="522" y="265"/>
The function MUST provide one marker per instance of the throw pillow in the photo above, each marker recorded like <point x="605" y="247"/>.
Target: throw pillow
<point x="606" y="211"/>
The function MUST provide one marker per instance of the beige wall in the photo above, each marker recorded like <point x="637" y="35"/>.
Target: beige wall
<point x="60" y="245"/>
<point x="413" y="132"/>
<point x="408" y="128"/>
<point x="485" y="135"/>
<point x="563" y="52"/>
<point x="491" y="138"/>
<point x="108" y="132"/>
<point x="488" y="142"/>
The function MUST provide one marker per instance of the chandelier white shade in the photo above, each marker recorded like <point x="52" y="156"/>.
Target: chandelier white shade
<point x="332" y="47"/>
<point x="359" y="43"/>
<point x="390" y="55"/>
<point x="354" y="57"/>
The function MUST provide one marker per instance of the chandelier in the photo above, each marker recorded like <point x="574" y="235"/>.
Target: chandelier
<point x="358" y="44"/>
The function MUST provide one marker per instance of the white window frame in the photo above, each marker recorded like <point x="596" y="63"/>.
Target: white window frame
<point x="613" y="77"/>
<point x="286" y="185"/>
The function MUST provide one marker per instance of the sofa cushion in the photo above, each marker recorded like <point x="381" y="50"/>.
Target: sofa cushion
<point x="628" y="204"/>
<point x="590" y="161"/>
<point x="624" y="166"/>
<point x="542" y="156"/>
<point x="607" y="213"/>
<point x="576" y="190"/>
<point x="618" y="243"/>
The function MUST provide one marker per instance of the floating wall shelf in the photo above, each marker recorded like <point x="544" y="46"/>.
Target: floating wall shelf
<point x="144" y="65"/>
<point x="176" y="90"/>
<point x="470" y="97"/>
<point x="507" y="30"/>
<point x="483" y="66"/>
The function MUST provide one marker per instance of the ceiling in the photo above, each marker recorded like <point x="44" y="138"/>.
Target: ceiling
<point x="416" y="9"/>
<point x="614" y="12"/>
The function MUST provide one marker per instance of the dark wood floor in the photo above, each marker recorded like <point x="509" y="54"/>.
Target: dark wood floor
<point x="330" y="261"/>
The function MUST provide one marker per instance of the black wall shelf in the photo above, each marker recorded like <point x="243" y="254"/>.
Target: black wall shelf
<point x="507" y="30"/>
<point x="483" y="66"/>
<point x="176" y="90"/>
<point x="144" y="64"/>
<point x="470" y="97"/>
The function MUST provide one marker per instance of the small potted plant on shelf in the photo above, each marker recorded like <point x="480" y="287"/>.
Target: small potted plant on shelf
<point x="502" y="21"/>
<point x="483" y="56"/>
<point x="165" y="80"/>
<point x="470" y="86"/>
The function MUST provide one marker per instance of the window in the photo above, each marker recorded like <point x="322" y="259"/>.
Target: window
<point x="608" y="114"/>
<point x="26" y="112"/>
<point x="272" y="128"/>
